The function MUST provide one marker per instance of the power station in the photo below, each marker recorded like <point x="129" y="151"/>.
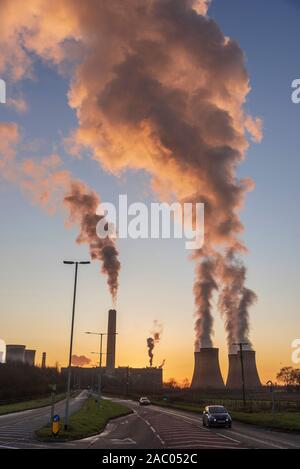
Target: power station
<point x="122" y="378"/>
<point x="207" y="373"/>
<point x="16" y="353"/>
<point x="206" y="376"/>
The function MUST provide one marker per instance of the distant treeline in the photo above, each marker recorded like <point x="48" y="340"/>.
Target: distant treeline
<point x="19" y="381"/>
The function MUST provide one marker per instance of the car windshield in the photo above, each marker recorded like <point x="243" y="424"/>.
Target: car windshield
<point x="217" y="410"/>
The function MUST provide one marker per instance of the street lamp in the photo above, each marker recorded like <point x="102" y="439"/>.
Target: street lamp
<point x="101" y="334"/>
<point x="76" y="263"/>
<point x="240" y="345"/>
<point x="270" y="383"/>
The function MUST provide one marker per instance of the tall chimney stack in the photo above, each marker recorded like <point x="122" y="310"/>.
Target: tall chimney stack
<point x="44" y="360"/>
<point x="207" y="373"/>
<point x="111" y="340"/>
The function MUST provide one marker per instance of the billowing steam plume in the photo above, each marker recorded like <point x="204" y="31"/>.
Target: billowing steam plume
<point x="204" y="287"/>
<point x="156" y="86"/>
<point x="235" y="300"/>
<point x="53" y="190"/>
<point x="80" y="360"/>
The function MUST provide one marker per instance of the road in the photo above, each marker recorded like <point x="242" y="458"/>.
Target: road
<point x="172" y="428"/>
<point x="17" y="429"/>
<point x="150" y="427"/>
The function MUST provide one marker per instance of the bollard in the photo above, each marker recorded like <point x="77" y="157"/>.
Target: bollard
<point x="55" y="425"/>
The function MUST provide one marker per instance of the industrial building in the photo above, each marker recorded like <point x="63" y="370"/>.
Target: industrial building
<point x="122" y="379"/>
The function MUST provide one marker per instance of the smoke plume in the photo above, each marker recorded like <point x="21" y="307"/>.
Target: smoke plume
<point x="156" y="332"/>
<point x="156" y="86"/>
<point x="150" y="345"/>
<point x="54" y="189"/>
<point x="82" y="205"/>
<point x="80" y="360"/>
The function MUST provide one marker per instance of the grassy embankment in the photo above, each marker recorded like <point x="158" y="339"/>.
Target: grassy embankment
<point x="89" y="420"/>
<point x="286" y="421"/>
<point x="28" y="405"/>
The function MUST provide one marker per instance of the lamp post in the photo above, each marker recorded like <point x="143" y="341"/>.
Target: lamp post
<point x="100" y="353"/>
<point x="240" y="345"/>
<point x="76" y="263"/>
<point x="270" y="383"/>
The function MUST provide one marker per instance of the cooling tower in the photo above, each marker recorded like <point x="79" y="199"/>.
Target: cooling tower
<point x="15" y="353"/>
<point x="234" y="377"/>
<point x="2" y="351"/>
<point x="207" y="373"/>
<point x="29" y="357"/>
<point x="252" y="380"/>
<point x="44" y="360"/>
<point x="111" y="339"/>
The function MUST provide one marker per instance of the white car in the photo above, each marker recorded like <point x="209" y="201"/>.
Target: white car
<point x="144" y="401"/>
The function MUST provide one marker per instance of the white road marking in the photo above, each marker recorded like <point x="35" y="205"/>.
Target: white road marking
<point x="152" y="428"/>
<point x="8" y="447"/>
<point x="228" y="437"/>
<point x="257" y="440"/>
<point x="126" y="441"/>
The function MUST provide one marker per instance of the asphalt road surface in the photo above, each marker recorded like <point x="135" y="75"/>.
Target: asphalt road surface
<point x="17" y="429"/>
<point x="148" y="427"/>
<point x="159" y="427"/>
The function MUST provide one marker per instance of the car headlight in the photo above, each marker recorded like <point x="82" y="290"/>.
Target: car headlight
<point x="215" y="420"/>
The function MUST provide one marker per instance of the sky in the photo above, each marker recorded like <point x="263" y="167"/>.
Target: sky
<point x="156" y="276"/>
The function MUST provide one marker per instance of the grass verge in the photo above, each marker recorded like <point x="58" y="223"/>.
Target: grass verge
<point x="28" y="405"/>
<point x="285" y="421"/>
<point x="89" y="420"/>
